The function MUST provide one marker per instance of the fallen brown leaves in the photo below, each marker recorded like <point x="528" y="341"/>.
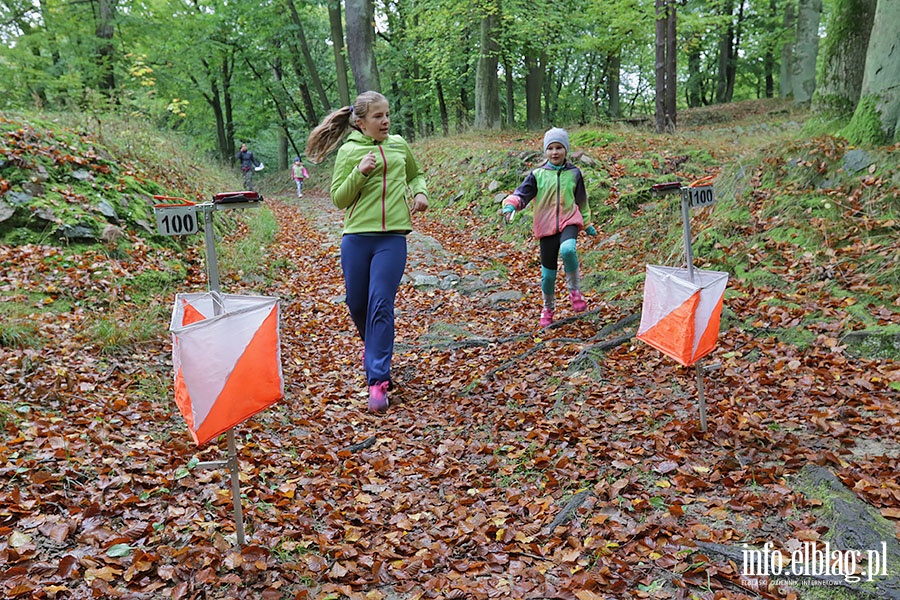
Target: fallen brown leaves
<point x="452" y="492"/>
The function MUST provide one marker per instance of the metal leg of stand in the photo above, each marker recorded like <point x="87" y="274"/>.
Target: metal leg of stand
<point x="701" y="397"/>
<point x="235" y="487"/>
<point x="212" y="270"/>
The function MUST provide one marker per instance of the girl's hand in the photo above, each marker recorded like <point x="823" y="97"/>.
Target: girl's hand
<point x="420" y="203"/>
<point x="367" y="164"/>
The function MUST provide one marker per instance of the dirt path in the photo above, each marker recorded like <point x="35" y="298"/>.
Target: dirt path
<point x="454" y="488"/>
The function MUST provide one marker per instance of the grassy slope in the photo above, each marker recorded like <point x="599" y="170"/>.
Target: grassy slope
<point x="789" y="217"/>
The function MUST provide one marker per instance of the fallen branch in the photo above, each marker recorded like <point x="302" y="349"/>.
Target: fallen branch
<point x="368" y="443"/>
<point x="585" y="353"/>
<point x="620" y="324"/>
<point x="569" y="509"/>
<point x="573" y="318"/>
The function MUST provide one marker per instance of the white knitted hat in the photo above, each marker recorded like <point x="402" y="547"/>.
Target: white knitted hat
<point x="556" y="134"/>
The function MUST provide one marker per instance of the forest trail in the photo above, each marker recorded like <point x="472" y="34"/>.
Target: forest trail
<point x="492" y="437"/>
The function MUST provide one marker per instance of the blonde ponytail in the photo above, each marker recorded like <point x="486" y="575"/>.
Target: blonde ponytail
<point x="328" y="134"/>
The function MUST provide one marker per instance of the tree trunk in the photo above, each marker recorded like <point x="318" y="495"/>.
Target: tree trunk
<point x="106" y="50"/>
<point x="308" y="103"/>
<point x="308" y="113"/>
<point x="337" y="44"/>
<point x="462" y="109"/>
<point x="534" y="83"/>
<point x="735" y="50"/>
<point x="877" y="117"/>
<point x="487" y="86"/>
<point x="546" y="90"/>
<point x="510" y="94"/>
<point x="665" y="65"/>
<point x="726" y="57"/>
<point x="671" y="66"/>
<point x="769" y="56"/>
<point x="660" y="66"/>
<point x="360" y="16"/>
<point x="228" y="105"/>
<point x="442" y="106"/>
<point x="694" y="85"/>
<point x="311" y="70"/>
<point x="806" y="50"/>
<point x="613" y="68"/>
<point x="844" y="53"/>
<point x="586" y="87"/>
<point x="785" y="81"/>
<point x="213" y="98"/>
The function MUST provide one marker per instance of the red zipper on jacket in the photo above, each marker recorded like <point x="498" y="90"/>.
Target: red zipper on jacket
<point x="383" y="189"/>
<point x="558" y="199"/>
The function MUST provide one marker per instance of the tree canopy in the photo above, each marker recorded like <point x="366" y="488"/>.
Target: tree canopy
<point x="267" y="72"/>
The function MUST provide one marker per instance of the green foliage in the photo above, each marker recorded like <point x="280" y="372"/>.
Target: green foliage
<point x="64" y="185"/>
<point x="865" y="127"/>
<point x="593" y="138"/>
<point x="20" y="330"/>
<point x="247" y="257"/>
<point x="113" y="336"/>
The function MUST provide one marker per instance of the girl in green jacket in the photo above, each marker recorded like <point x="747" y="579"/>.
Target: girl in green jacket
<point x="372" y="172"/>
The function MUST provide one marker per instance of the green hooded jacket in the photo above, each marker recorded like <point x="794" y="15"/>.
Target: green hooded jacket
<point x="376" y="203"/>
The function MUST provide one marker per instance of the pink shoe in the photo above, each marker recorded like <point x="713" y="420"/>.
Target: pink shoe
<point x="378" y="400"/>
<point x="546" y="317"/>
<point x="578" y="303"/>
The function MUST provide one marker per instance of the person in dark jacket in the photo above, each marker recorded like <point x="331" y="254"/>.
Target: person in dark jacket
<point x="248" y="163"/>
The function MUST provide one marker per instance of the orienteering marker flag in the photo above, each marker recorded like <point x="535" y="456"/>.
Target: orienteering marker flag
<point x="680" y="317"/>
<point x="227" y="366"/>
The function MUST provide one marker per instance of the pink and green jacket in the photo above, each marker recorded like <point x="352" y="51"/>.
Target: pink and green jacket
<point x="559" y="196"/>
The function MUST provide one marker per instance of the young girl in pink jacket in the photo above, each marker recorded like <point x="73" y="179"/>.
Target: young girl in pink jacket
<point x="560" y="211"/>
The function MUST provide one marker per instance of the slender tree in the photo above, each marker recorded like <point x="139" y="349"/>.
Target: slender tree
<point x="312" y="71"/>
<point x="806" y="50"/>
<point x="360" y="16"/>
<point x="534" y="83"/>
<point x="337" y="44"/>
<point x="789" y="29"/>
<point x="665" y="65"/>
<point x="106" y="50"/>
<point x="487" y="86"/>
<point x="727" y="56"/>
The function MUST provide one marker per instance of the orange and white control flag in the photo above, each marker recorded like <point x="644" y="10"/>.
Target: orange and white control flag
<point x="227" y="366"/>
<point x="680" y="317"/>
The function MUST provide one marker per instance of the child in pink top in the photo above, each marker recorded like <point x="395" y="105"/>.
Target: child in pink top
<point x="299" y="173"/>
<point x="560" y="211"/>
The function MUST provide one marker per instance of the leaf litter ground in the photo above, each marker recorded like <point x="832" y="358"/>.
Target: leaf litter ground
<point x="492" y="438"/>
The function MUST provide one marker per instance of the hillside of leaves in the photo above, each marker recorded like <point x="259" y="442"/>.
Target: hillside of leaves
<point x="514" y="462"/>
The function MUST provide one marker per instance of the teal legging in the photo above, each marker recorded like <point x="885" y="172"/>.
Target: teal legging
<point x="552" y="247"/>
<point x="561" y="243"/>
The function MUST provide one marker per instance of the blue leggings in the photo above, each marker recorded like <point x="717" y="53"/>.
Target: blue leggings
<point x="373" y="266"/>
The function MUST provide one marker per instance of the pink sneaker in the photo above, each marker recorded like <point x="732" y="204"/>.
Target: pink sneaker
<point x="578" y="303"/>
<point x="378" y="400"/>
<point x="546" y="317"/>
